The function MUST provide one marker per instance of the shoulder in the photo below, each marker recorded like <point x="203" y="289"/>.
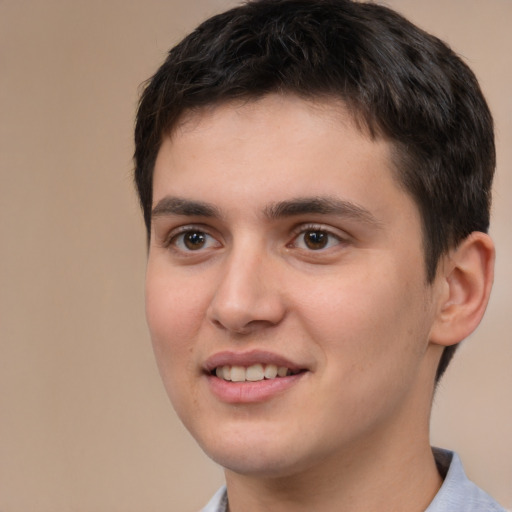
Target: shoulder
<point x="458" y="493"/>
<point x="218" y="503"/>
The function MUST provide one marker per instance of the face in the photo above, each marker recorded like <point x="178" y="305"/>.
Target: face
<point x="286" y="293"/>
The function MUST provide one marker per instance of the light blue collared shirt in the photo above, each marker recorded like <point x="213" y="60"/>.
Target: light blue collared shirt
<point x="457" y="494"/>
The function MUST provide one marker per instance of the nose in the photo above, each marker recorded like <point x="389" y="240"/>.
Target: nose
<point x="248" y="297"/>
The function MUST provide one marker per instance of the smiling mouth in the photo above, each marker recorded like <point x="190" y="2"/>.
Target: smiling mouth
<point x="253" y="373"/>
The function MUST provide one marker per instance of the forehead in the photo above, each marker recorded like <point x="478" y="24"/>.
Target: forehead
<point x="274" y="147"/>
<point x="284" y="116"/>
<point x="327" y="107"/>
<point x="289" y="110"/>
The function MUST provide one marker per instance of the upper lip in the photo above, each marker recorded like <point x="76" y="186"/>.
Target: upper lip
<point x="230" y="358"/>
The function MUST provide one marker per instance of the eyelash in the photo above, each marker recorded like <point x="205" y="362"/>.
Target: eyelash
<point x="176" y="240"/>
<point x="315" y="228"/>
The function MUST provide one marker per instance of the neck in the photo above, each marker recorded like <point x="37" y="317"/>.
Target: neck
<point x="400" y="480"/>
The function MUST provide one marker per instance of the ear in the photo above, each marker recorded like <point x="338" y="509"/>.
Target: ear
<point x="465" y="278"/>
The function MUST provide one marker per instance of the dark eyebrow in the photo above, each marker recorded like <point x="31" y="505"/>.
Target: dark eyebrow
<point x="322" y="206"/>
<point x="170" y="205"/>
<point x="177" y="206"/>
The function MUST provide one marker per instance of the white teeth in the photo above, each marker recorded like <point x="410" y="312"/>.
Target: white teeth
<point x="282" y="371"/>
<point x="253" y="373"/>
<point x="223" y="372"/>
<point x="270" y="371"/>
<point x="237" y="373"/>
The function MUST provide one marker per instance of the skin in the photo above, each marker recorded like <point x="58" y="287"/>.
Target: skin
<point x="356" y="315"/>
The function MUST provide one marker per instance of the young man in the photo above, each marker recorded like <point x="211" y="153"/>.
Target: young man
<point x="315" y="179"/>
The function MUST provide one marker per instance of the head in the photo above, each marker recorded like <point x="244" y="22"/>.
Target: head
<point x="398" y="83"/>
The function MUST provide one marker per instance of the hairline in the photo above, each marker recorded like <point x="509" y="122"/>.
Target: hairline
<point x="368" y="126"/>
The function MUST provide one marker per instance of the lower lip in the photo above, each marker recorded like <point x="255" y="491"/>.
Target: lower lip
<point x="251" y="392"/>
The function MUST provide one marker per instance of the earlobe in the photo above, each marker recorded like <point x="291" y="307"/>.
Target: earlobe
<point x="466" y="281"/>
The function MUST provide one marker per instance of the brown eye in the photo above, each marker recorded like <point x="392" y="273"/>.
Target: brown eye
<point x="316" y="240"/>
<point x="194" y="240"/>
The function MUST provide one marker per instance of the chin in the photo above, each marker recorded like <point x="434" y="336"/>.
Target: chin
<point x="255" y="463"/>
<point x="260" y="454"/>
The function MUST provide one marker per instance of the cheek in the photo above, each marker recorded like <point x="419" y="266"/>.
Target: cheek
<point x="173" y="314"/>
<point x="364" y="318"/>
<point x="371" y="336"/>
<point x="174" y="318"/>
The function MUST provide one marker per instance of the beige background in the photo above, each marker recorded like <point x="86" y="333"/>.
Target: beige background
<point x="84" y="421"/>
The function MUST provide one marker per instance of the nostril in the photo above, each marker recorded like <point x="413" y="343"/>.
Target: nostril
<point x="240" y="327"/>
<point x="244" y="301"/>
